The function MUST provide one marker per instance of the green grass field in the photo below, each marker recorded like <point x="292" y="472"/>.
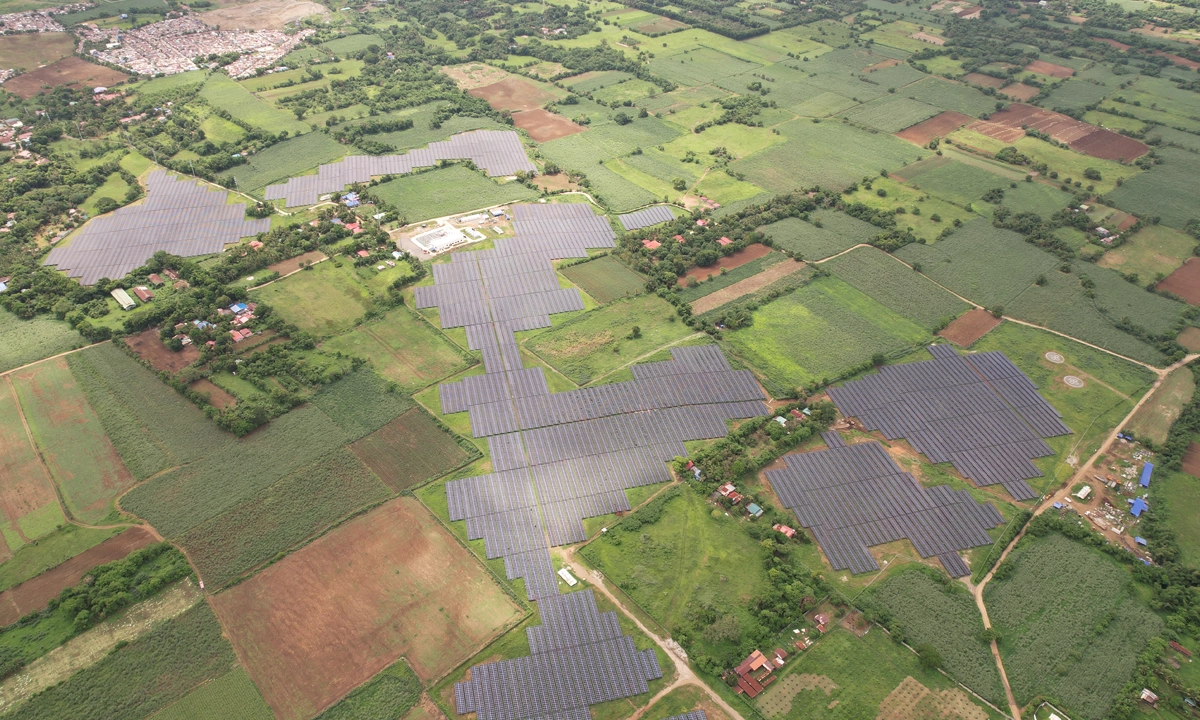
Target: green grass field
<point x="891" y="114"/>
<point x="1179" y="494"/>
<point x="447" y="191"/>
<point x="114" y="188"/>
<point x="911" y="294"/>
<point x="590" y="345"/>
<point x="1152" y="250"/>
<point x="33" y="510"/>
<point x="402" y="348"/>
<point x="389" y="694"/>
<point x="950" y="96"/>
<point x="283" y="160"/>
<point x="26" y="341"/>
<point x="1154" y="419"/>
<point x="964" y="185"/>
<point x="411" y="449"/>
<point x="1057" y="640"/>
<point x="231" y="696"/>
<point x="605" y="279"/>
<point x="54" y="549"/>
<point x="1067" y="163"/>
<point x="222" y="92"/>
<point x="1165" y="190"/>
<point x="919" y="208"/>
<point x="819" y="332"/>
<point x="325" y="300"/>
<point x="837" y="232"/>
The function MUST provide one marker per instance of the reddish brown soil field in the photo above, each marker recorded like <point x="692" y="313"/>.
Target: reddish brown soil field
<point x="217" y="396"/>
<point x="1020" y="91"/>
<point x="1126" y="222"/>
<point x="937" y="126"/>
<point x="1185" y="281"/>
<point x="513" y="93"/>
<point x="890" y="62"/>
<point x="741" y="257"/>
<point x="969" y="327"/>
<point x="32" y="595"/>
<point x="148" y="347"/>
<point x="1109" y="145"/>
<point x="984" y="80"/>
<point x="1191" y="460"/>
<point x="1003" y="133"/>
<point x="741" y="288"/>
<point x="291" y="265"/>
<point x="24" y="487"/>
<point x="1082" y="137"/>
<point x="1042" y="67"/>
<point x="1189" y="338"/>
<point x="543" y="125"/>
<point x="70" y="71"/>
<point x="1109" y="41"/>
<point x="1181" y="61"/>
<point x="326" y="618"/>
<point x="555" y="182"/>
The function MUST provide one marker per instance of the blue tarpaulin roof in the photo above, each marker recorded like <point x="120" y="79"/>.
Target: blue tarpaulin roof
<point x="1139" y="506"/>
<point x="1139" y="540"/>
<point x="1058" y="506"/>
<point x="1146" y="470"/>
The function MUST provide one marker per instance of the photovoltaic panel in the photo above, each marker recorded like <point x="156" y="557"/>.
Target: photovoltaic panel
<point x="646" y="218"/>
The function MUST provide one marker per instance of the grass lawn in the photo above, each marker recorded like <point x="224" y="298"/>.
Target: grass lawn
<point x="1154" y="250"/>
<point x="403" y="348"/>
<point x="446" y="191"/>
<point x="819" y="332"/>
<point x="595" y="343"/>
<point x="325" y="300"/>
<point x="114" y="188"/>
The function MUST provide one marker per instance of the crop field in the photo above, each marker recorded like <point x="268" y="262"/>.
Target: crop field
<point x="222" y="92"/>
<point x="837" y="232"/>
<point x="988" y="265"/>
<point x="402" y="348"/>
<point x="352" y="43"/>
<point x="667" y="566"/>
<point x="26" y="341"/>
<point x="827" y="153"/>
<point x="785" y="274"/>
<point x="283" y="160"/>
<point x="699" y="66"/>
<point x="229" y="697"/>
<point x="711" y="279"/>
<point x="390" y="694"/>
<point x="943" y="615"/>
<point x="141" y="677"/>
<point x="891" y="114"/>
<point x="1164" y="190"/>
<point x="896" y="287"/>
<point x="328" y="617"/>
<point x="280" y="516"/>
<point x="70" y="71"/>
<point x="628" y="90"/>
<point x="27" y="500"/>
<point x="409" y="450"/>
<point x="1058" y="640"/>
<point x="966" y="184"/>
<point x="1067" y="163"/>
<point x="662" y="166"/>
<point x="600" y="341"/>
<point x="917" y="207"/>
<point x="436" y="193"/>
<point x="324" y="301"/>
<point x="1076" y="95"/>
<point x="605" y="279"/>
<point x="71" y="439"/>
<point x="821" y="331"/>
<point x="49" y="552"/>
<point x="30" y="51"/>
<point x="1154" y="419"/>
<point x="1177" y="494"/>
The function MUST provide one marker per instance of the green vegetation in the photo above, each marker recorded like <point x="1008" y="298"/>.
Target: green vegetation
<point x="595" y="343"/>
<point x="896" y="287"/>
<point x="223" y="93"/>
<point x="1152" y="251"/>
<point x="1055" y="638"/>
<point x="413" y="448"/>
<point x="231" y="696"/>
<point x="446" y="191"/>
<point x="821" y="332"/>
<point x="891" y="113"/>
<point x="605" y="279"/>
<point x="325" y="300"/>
<point x="1178" y="494"/>
<point x="139" y="678"/>
<point x="386" y="696"/>
<point x="835" y="233"/>
<point x="37" y="557"/>
<point x="26" y="341"/>
<point x="286" y="159"/>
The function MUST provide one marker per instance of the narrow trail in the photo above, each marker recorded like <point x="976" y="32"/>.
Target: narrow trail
<point x="52" y="357"/>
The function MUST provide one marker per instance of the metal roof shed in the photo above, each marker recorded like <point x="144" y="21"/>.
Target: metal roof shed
<point x="123" y="299"/>
<point x="1147" y="469"/>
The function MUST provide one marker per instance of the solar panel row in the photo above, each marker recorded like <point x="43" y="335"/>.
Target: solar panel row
<point x="498" y="152"/>
<point x="646" y="218"/>
<point x="178" y="216"/>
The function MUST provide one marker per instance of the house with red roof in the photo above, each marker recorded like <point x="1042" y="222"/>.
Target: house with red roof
<point x="651" y="244"/>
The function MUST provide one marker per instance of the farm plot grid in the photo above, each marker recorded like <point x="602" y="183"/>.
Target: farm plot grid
<point x="499" y="152"/>
<point x="980" y="413"/>
<point x="856" y="496"/>
<point x="559" y="458"/>
<point x="178" y="216"/>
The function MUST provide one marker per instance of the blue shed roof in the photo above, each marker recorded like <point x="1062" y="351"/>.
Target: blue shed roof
<point x="1139" y="506"/>
<point x="1139" y="540"/>
<point x="1147" y="469"/>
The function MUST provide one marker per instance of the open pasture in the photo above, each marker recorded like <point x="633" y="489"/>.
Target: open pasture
<point x="1153" y="251"/>
<point x="965" y="184"/>
<point x="1153" y="420"/>
<point x="325" y="300"/>
<point x="605" y="279"/>
<point x="409" y="450"/>
<point x="402" y="348"/>
<point x="447" y="191"/>
<point x="819" y="332"/>
<point x="896" y="287"/>
<point x="352" y="43"/>
<point x="71" y="440"/>
<point x="29" y="51"/>
<point x="1057" y="639"/>
<point x="222" y="92"/>
<point x="70" y="72"/>
<point x="1067" y="163"/>
<point x="323" y="620"/>
<point x="836" y="233"/>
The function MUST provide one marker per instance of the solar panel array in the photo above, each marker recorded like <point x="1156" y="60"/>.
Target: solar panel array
<point x="498" y="152"/>
<point x="558" y="458"/>
<point x="646" y="218"/>
<point x="178" y="216"/>
<point x="979" y="412"/>
<point x="855" y="496"/>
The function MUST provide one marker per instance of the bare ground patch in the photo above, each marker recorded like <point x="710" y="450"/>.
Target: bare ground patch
<point x="513" y="93"/>
<point x="218" y="397"/>
<point x="778" y="700"/>
<point x="543" y="125"/>
<point x="983" y="80"/>
<point x="150" y="348"/>
<point x="747" y="286"/>
<point x="1041" y="67"/>
<point x="291" y="265"/>
<point x="70" y="71"/>
<point x="938" y="126"/>
<point x="969" y="327"/>
<point x="474" y="75"/>
<point x="1184" y="282"/>
<point x="1189" y="338"/>
<point x="729" y="262"/>
<point x="262" y="14"/>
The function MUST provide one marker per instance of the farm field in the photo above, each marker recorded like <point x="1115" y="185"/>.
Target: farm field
<point x="1153" y="251"/>
<point x="283" y="160"/>
<point x="409" y="450"/>
<point x="324" y="301"/>
<point x="436" y="193"/>
<point x="969" y="327"/>
<point x="819" y="332"/>
<point x="27" y="341"/>
<point x="50" y="551"/>
<point x="775" y="275"/>
<point x="402" y="348"/>
<point x="605" y="279"/>
<point x="600" y="341"/>
<point x="837" y="232"/>
<point x="709" y="280"/>
<point x="70" y="71"/>
<point x="223" y="93"/>
<point x="231" y="696"/>
<point x="409" y="589"/>
<point x="1153" y="420"/>
<point x="31" y="51"/>
<point x="1056" y="638"/>
<point x="390" y="694"/>
<point x="27" y="497"/>
<point x="1177" y="493"/>
<point x="896" y="287"/>
<point x="71" y="440"/>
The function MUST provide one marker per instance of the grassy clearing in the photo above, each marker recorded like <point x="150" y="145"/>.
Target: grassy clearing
<point x="283" y="160"/>
<point x="1067" y="163"/>
<point x="918" y="208"/>
<point x="1153" y="420"/>
<point x="26" y="341"/>
<point x="114" y="188"/>
<point x="436" y="193"/>
<point x="1057" y="640"/>
<point x="402" y="348"/>
<point x="325" y="300"/>
<point x="825" y="235"/>
<point x="1179" y="495"/>
<point x="1154" y="250"/>
<point x="896" y="287"/>
<point x="598" y="342"/>
<point x="229" y="697"/>
<point x="605" y="279"/>
<point x="965" y="185"/>
<point x="819" y="332"/>
<point x="411" y="449"/>
<point x="222" y="92"/>
<point x="50" y="551"/>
